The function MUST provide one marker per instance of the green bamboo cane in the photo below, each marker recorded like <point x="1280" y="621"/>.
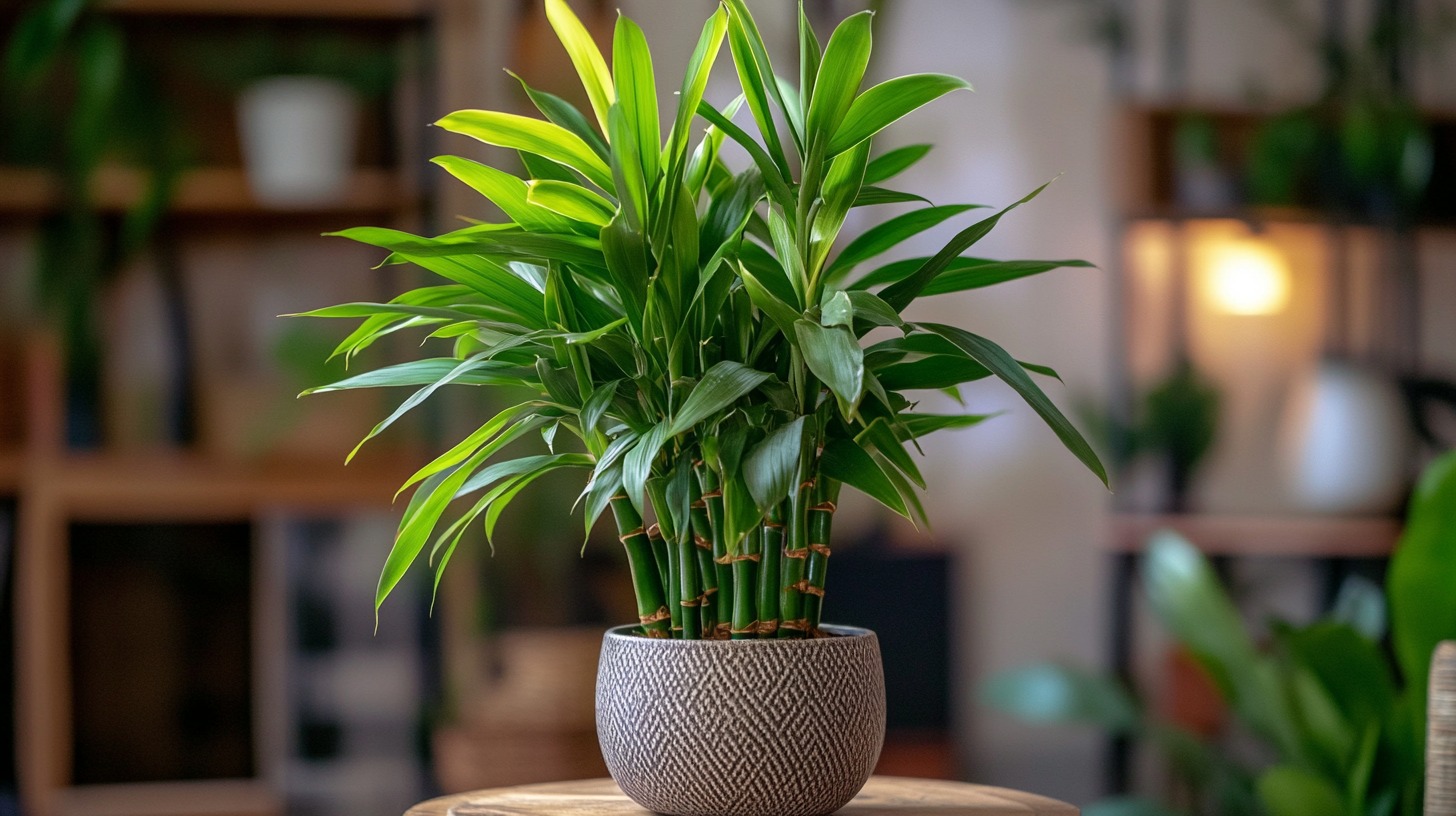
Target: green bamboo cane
<point x="683" y="565"/>
<point x="768" y="573"/>
<point x="792" y="623"/>
<point x="707" y="574"/>
<point x="652" y="609"/>
<point x="713" y="498"/>
<point x="670" y="584"/>
<point x="745" y="579"/>
<point x="821" y="522"/>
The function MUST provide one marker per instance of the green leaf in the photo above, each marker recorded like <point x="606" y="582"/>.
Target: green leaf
<point x="545" y="139"/>
<point x="882" y="237"/>
<point x="870" y="196"/>
<point x="921" y="424"/>
<point x="770" y="301"/>
<point x="424" y="372"/>
<point x="961" y="277"/>
<point x="836" y="358"/>
<point x="596" y="406"/>
<point x="720" y="387"/>
<point x="894" y="162"/>
<point x="904" y="292"/>
<point x="472" y="443"/>
<point x="695" y="82"/>
<point x="840" y="72"/>
<point x="565" y="114"/>
<point x="571" y="201"/>
<point x="1011" y="372"/>
<point x="505" y="191"/>
<point x="841" y="190"/>
<point x="771" y="466"/>
<point x="637" y="464"/>
<point x="454" y="374"/>
<point x="867" y="307"/>
<point x="1048" y="693"/>
<point x="885" y="103"/>
<point x="756" y="79"/>
<point x="637" y="94"/>
<point x="584" y="55"/>
<point x="1422" y="574"/>
<point x="490" y="240"/>
<point x="1286" y="790"/>
<point x="846" y="461"/>
<point x="838" y="309"/>
<point x="777" y="186"/>
<point x="882" y="437"/>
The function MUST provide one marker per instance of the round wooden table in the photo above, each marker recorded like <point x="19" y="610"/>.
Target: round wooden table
<point x="883" y="796"/>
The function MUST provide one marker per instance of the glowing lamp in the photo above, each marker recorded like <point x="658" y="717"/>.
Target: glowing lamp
<point x="1246" y="277"/>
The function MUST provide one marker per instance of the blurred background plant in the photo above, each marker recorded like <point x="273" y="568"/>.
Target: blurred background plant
<point x="75" y="96"/>
<point x="1336" y="708"/>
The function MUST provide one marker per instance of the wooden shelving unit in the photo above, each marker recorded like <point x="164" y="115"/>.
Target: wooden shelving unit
<point x="54" y="489"/>
<point x="1270" y="536"/>
<point x="206" y="191"/>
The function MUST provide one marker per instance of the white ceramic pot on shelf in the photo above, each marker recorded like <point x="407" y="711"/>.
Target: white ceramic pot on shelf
<point x="298" y="136"/>
<point x="1347" y="441"/>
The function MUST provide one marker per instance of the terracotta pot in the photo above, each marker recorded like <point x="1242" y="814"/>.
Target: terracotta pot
<point x="741" y="728"/>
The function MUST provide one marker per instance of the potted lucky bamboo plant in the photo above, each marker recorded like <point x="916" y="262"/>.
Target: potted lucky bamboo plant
<point x="722" y="366"/>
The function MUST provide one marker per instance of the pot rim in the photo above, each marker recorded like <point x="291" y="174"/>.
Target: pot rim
<point x="843" y="634"/>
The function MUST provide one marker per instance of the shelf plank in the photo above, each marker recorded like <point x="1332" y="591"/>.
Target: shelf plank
<point x="120" y="488"/>
<point x="203" y="191"/>
<point x="220" y="797"/>
<point x="322" y="9"/>
<point x="1292" y="536"/>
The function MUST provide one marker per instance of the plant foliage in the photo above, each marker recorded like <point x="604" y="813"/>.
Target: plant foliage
<point x="1344" y="723"/>
<point x="691" y="324"/>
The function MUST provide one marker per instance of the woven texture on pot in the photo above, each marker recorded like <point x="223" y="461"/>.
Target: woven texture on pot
<point x="741" y="728"/>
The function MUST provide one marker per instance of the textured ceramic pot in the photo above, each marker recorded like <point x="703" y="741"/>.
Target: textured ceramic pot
<point x="741" y="728"/>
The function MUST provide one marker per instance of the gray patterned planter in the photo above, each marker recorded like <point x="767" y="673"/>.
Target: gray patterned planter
<point x="741" y="728"/>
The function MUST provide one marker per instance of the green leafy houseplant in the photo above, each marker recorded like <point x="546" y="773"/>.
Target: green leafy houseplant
<point x="712" y="358"/>
<point x="1343" y="722"/>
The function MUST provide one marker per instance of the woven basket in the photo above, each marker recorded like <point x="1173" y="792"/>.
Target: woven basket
<point x="1441" y="733"/>
<point x="741" y="728"/>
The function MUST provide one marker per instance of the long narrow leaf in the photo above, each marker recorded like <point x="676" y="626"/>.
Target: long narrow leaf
<point x="584" y="56"/>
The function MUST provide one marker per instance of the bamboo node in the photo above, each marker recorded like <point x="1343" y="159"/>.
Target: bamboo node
<point x="824" y="507"/>
<point x="802" y="552"/>
<point x="654" y="531"/>
<point x="713" y="494"/>
<point x="707" y="592"/>
<point x="692" y="602"/>
<point x="774" y="525"/>
<point x="632" y="534"/>
<point x="722" y="631"/>
<point x="822" y="549"/>
<point x="660" y="615"/>
<point x="656" y="634"/>
<point x="808" y="589"/>
<point x="750" y="629"/>
<point x="733" y="559"/>
<point x="807" y="484"/>
<point x="799" y="625"/>
<point x="702" y="543"/>
<point x="698" y="505"/>
<point x="768" y="627"/>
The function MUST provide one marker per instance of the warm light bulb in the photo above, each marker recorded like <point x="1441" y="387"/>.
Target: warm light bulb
<point x="1247" y="277"/>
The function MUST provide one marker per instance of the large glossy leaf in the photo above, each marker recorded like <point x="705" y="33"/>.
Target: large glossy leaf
<point x="963" y="273"/>
<point x="840" y="72"/>
<point x="846" y="461"/>
<point x="885" y="103"/>
<point x="901" y="294"/>
<point x="424" y="372"/>
<point x="1051" y="693"/>
<point x="637" y="94"/>
<point x="921" y="424"/>
<point x="505" y="191"/>
<point x="836" y="358"/>
<point x="894" y="162"/>
<point x="870" y="195"/>
<point x="1011" y="372"/>
<point x="1422" y="575"/>
<point x="720" y="387"/>
<point x="882" y="237"/>
<point x="570" y="201"/>
<point x="637" y="463"/>
<point x="545" y="139"/>
<point x="505" y="244"/>
<point x="770" y="467"/>
<point x="757" y="80"/>
<point x="565" y="114"/>
<point x="585" y="56"/>
<point x="841" y="191"/>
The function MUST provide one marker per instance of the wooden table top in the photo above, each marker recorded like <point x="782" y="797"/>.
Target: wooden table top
<point x="883" y="796"/>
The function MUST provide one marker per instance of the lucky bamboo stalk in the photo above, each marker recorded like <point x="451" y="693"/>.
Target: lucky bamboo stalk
<point x="821" y="521"/>
<point x="745" y="580"/>
<point x="652" y="610"/>
<point x="768" y="573"/>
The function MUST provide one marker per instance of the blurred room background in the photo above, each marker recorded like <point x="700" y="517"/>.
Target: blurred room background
<point x="1266" y="351"/>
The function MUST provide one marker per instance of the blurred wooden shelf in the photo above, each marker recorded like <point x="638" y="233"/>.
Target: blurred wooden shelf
<point x="11" y="463"/>
<point x="222" y="797"/>
<point x="119" y="487"/>
<point x="321" y="9"/>
<point x="1266" y="215"/>
<point x="204" y="191"/>
<point x="1290" y="536"/>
